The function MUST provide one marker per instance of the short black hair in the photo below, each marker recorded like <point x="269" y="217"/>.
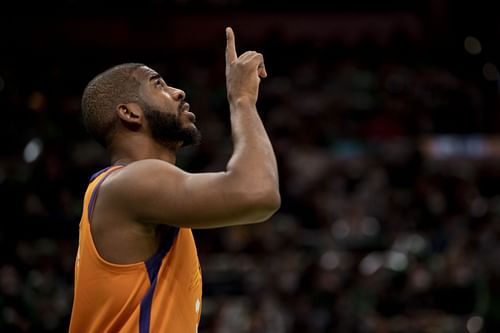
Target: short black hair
<point x="101" y="96"/>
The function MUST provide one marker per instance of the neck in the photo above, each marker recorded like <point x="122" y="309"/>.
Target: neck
<point x="125" y="150"/>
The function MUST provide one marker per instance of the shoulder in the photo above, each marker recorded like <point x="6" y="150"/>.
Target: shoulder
<point x="140" y="177"/>
<point x="148" y="165"/>
<point x="143" y="170"/>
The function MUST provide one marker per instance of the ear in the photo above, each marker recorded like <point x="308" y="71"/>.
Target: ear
<point x="130" y="114"/>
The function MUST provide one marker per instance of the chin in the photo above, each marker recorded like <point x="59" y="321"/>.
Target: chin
<point x="189" y="126"/>
<point x="194" y="137"/>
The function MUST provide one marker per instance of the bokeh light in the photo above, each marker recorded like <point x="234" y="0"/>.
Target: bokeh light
<point x="472" y="45"/>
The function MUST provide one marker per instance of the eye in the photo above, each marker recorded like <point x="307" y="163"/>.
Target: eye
<point x="158" y="83"/>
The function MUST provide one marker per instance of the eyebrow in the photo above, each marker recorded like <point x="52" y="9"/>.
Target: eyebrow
<point x="154" y="77"/>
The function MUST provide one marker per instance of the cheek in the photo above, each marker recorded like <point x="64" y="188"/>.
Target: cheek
<point x="160" y="100"/>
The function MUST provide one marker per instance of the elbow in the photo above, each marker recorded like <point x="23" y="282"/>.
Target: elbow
<point x="274" y="201"/>
<point x="265" y="204"/>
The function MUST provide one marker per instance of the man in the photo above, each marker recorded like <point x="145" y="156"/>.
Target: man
<point x="137" y="268"/>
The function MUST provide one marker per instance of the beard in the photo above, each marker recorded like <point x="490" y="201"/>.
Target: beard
<point x="167" y="130"/>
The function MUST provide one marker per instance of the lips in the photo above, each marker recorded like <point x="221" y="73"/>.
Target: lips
<point x="184" y="108"/>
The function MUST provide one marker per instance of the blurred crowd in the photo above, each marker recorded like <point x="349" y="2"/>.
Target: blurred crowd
<point x="375" y="234"/>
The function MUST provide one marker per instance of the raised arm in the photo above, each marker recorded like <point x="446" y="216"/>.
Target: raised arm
<point x="153" y="191"/>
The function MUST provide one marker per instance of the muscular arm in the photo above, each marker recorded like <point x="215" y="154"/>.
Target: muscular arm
<point x="153" y="191"/>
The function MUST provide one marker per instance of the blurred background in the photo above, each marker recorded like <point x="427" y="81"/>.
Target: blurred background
<point x="385" y="119"/>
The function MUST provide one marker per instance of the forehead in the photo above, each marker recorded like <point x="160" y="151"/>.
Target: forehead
<point x="145" y="73"/>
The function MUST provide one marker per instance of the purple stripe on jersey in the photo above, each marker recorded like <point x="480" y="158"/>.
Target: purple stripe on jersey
<point x="145" y="314"/>
<point x="153" y="265"/>
<point x="95" y="175"/>
<point x="96" y="189"/>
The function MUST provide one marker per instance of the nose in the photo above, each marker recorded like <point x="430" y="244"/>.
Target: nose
<point x="178" y="94"/>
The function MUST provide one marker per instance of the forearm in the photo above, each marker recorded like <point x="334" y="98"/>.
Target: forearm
<point x="253" y="162"/>
<point x="252" y="172"/>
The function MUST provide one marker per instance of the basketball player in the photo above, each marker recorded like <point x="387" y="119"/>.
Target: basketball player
<point x="137" y="269"/>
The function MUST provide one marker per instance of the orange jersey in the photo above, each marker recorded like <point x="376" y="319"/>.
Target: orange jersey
<point x="161" y="294"/>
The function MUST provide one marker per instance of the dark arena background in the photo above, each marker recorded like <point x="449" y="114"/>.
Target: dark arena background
<point x="385" y="120"/>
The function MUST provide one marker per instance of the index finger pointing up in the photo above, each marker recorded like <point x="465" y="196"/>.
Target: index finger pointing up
<point x="230" y="47"/>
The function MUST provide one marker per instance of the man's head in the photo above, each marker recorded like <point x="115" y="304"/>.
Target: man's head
<point x="133" y="97"/>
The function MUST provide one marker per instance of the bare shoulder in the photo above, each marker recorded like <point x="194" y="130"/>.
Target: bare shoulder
<point x="146" y="168"/>
<point x="139" y="178"/>
<point x="142" y="171"/>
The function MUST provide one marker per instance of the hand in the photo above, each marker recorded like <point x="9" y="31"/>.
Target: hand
<point x="243" y="73"/>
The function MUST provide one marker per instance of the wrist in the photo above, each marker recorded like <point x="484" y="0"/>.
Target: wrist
<point x="242" y="102"/>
